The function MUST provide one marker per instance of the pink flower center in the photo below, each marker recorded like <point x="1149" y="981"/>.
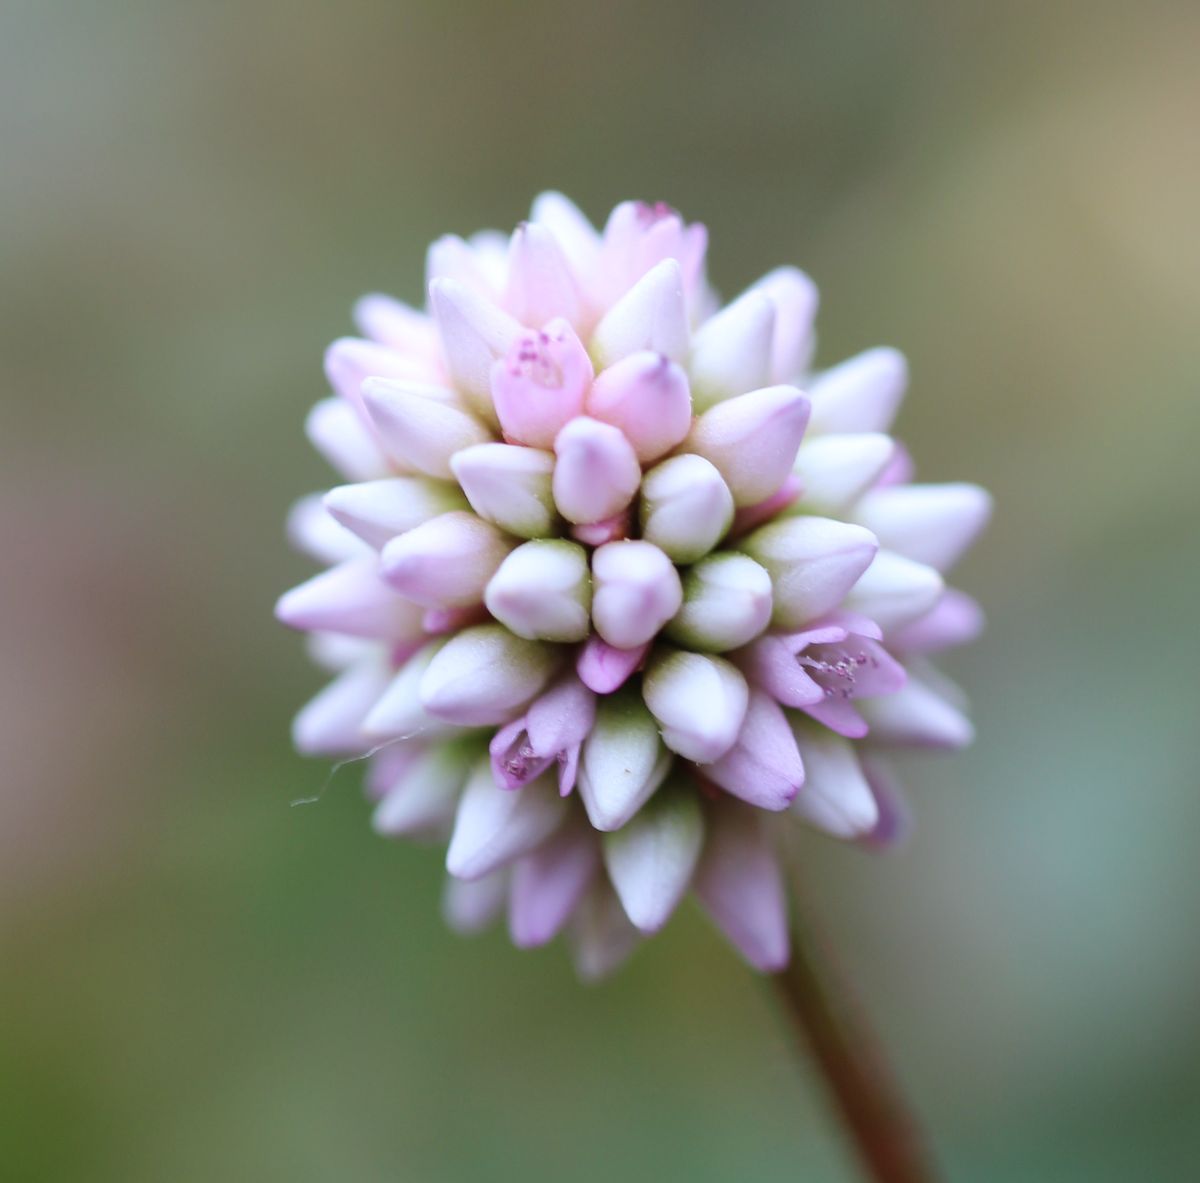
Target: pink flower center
<point x="836" y="668"/>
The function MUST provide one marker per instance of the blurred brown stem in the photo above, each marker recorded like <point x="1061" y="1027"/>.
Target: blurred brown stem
<point x="826" y="1019"/>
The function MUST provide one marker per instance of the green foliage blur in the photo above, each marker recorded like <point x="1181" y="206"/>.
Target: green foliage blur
<point x="201" y="981"/>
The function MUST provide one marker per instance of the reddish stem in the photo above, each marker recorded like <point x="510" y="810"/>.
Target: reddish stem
<point x="876" y="1116"/>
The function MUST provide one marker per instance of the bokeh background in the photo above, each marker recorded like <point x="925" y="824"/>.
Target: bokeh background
<point x="199" y="981"/>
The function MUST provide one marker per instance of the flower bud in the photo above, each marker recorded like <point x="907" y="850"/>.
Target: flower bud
<point x="447" y="561"/>
<point x="795" y="298"/>
<point x="763" y="768"/>
<point x="813" y="563"/>
<point x="836" y="797"/>
<point x="484" y="675"/>
<point x="741" y="886"/>
<point x="474" y="334"/>
<point x="379" y="510"/>
<point x="932" y="524"/>
<point x="350" y="598"/>
<point x="836" y="470"/>
<point x="540" y="383"/>
<point x="343" y="436"/>
<point x="731" y="351"/>
<point x="509" y="486"/>
<point x="596" y="474"/>
<point x="636" y="591"/>
<point x="699" y="701"/>
<point x="543" y="591"/>
<point x="331" y="723"/>
<point x="686" y="507"/>
<point x="424" y="799"/>
<point x="895" y="591"/>
<point x="623" y="760"/>
<point x="646" y="396"/>
<point x="861" y="394"/>
<point x="752" y="440"/>
<point x="651" y="315"/>
<point x="571" y="229"/>
<point x="423" y="425"/>
<point x="651" y="858"/>
<point x="492" y="827"/>
<point x="399" y="712"/>
<point x="549" y="882"/>
<point x="920" y="715"/>
<point x="540" y="284"/>
<point x="727" y="602"/>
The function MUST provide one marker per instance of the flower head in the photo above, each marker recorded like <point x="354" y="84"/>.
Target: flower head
<point x="616" y="586"/>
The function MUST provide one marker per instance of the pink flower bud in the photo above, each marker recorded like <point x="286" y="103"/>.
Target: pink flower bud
<point x="540" y="284"/>
<point x="699" y="701"/>
<point x="686" y="507"/>
<point x="485" y="675"/>
<point x="932" y="524"/>
<point x="377" y="511"/>
<point x="509" y="486"/>
<point x="741" y="886"/>
<point x="836" y="470"/>
<point x="731" y="351"/>
<point x="474" y="333"/>
<point x="596" y="474"/>
<point x="813" y="563"/>
<point x="727" y="602"/>
<point x="493" y="827"/>
<point x="752" y="440"/>
<point x="543" y="591"/>
<point x="540" y="383"/>
<point x="447" y="561"/>
<point x="862" y="394"/>
<point x="636" y="591"/>
<point x="422" y="425"/>
<point x="651" y="315"/>
<point x="651" y="858"/>
<point x="646" y="396"/>
<point x="623" y="760"/>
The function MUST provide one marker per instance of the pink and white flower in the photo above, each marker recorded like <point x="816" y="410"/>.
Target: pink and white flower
<point x="616" y="586"/>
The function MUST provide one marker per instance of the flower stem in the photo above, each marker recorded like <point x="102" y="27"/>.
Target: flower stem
<point x="826" y="1019"/>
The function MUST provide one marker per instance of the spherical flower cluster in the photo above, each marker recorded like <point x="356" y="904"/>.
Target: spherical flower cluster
<point x="615" y="579"/>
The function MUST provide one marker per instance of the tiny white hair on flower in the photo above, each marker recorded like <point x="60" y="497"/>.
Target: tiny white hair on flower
<point x="617" y="585"/>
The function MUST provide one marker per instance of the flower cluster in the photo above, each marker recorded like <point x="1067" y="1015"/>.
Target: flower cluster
<point x="616" y="578"/>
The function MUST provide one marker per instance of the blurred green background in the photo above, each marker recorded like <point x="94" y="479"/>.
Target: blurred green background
<point x="199" y="982"/>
